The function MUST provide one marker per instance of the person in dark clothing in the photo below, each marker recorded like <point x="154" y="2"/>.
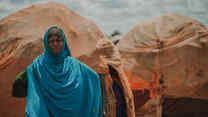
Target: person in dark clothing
<point x="118" y="92"/>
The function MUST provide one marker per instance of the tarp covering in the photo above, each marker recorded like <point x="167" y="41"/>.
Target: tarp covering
<point x="21" y="40"/>
<point x="171" y="49"/>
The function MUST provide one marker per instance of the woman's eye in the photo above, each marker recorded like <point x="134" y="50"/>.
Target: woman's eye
<point x="57" y="40"/>
<point x="51" y="41"/>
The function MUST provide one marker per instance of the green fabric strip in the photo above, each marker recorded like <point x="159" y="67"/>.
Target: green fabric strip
<point x="21" y="76"/>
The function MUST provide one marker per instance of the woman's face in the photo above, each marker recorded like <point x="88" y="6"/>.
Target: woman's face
<point x="56" y="44"/>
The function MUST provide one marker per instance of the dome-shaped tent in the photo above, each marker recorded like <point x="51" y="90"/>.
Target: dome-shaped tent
<point x="21" y="42"/>
<point x="170" y="52"/>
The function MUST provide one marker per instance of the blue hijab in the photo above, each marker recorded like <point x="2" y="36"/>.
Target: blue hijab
<point x="61" y="86"/>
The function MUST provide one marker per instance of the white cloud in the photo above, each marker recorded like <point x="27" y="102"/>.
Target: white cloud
<point x="120" y="14"/>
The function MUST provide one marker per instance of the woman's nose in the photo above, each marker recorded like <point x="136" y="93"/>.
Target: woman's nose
<point x="55" y="43"/>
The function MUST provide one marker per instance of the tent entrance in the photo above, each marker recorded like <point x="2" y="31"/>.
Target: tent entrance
<point x="118" y="93"/>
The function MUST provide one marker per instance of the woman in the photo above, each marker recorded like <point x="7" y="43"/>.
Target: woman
<point x="59" y="85"/>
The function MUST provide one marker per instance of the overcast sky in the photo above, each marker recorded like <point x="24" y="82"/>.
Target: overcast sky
<point x="120" y="15"/>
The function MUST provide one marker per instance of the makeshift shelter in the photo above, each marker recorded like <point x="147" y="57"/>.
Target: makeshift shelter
<point x="170" y="53"/>
<point x="21" y="41"/>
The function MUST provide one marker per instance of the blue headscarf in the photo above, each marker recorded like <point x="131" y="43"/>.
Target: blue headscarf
<point x="61" y="86"/>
